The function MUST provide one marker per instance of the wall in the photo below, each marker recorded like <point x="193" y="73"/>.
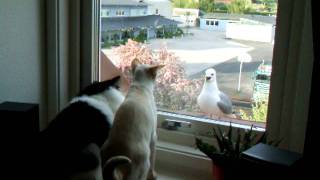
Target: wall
<point x="183" y="19"/>
<point x="128" y="10"/>
<point x="220" y="27"/>
<point x="164" y="7"/>
<point x="261" y="33"/>
<point x="22" y="53"/>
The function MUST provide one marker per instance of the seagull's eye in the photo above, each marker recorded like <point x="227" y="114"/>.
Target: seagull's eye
<point x="212" y="74"/>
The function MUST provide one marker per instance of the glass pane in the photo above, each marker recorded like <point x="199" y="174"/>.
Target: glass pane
<point x="189" y="38"/>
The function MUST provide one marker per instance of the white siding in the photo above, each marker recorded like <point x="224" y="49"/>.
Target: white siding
<point x="261" y="33"/>
<point x="164" y="7"/>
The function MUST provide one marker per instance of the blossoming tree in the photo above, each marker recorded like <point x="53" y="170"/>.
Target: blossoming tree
<point x="173" y="90"/>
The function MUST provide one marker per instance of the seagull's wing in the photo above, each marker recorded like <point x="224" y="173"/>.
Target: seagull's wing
<point x="225" y="104"/>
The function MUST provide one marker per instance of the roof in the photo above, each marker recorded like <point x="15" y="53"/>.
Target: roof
<point x="123" y="2"/>
<point x="117" y="23"/>
<point x="227" y="16"/>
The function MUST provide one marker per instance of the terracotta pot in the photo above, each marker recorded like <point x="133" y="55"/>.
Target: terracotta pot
<point x="217" y="172"/>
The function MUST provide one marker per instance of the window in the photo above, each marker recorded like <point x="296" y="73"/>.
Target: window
<point x="195" y="51"/>
<point x="120" y="12"/>
<point x="191" y="55"/>
<point x="104" y="13"/>
<point x="157" y="11"/>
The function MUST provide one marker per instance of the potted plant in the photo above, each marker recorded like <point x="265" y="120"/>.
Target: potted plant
<point x="225" y="155"/>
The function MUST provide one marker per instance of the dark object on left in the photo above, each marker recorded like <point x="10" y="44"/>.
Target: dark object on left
<point x="19" y="119"/>
<point x="19" y="129"/>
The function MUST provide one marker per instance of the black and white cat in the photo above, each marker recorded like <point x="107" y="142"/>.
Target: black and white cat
<point x="70" y="145"/>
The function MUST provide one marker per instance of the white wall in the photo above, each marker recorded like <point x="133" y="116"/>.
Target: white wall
<point x="183" y="20"/>
<point x="260" y="33"/>
<point x="164" y="7"/>
<point x="220" y="27"/>
<point x="22" y="52"/>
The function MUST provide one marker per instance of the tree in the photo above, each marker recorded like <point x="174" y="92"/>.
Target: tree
<point x="269" y="5"/>
<point x="206" y="5"/>
<point x="185" y="4"/>
<point x="173" y="90"/>
<point x="239" y="6"/>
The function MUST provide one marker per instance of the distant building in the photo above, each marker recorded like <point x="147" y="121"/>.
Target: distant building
<point x="116" y="8"/>
<point x="217" y="21"/>
<point x="187" y="17"/>
<point x="160" y="7"/>
<point x="122" y="19"/>
<point x="239" y="26"/>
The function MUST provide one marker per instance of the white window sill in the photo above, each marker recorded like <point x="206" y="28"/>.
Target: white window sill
<point x="175" y="162"/>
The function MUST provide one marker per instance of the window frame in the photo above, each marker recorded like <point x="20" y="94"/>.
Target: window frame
<point x="72" y="62"/>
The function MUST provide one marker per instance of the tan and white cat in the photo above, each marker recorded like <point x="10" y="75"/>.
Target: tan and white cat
<point x="129" y="152"/>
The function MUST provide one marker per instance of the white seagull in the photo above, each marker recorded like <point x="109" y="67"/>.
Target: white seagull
<point x="211" y="100"/>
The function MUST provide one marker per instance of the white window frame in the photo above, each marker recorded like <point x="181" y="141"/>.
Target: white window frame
<point x="72" y="61"/>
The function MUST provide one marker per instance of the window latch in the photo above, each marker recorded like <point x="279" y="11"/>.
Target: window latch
<point x="172" y="124"/>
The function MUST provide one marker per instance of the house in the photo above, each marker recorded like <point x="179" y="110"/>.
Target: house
<point x="239" y="26"/>
<point x="160" y="7"/>
<point x="187" y="17"/>
<point x="217" y="21"/>
<point x="126" y="8"/>
<point x="119" y="28"/>
<point x="122" y="19"/>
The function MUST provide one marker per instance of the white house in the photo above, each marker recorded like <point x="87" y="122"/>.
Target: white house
<point x="250" y="32"/>
<point x="159" y="7"/>
<point x="188" y="17"/>
<point x="217" y="21"/>
<point x="238" y="26"/>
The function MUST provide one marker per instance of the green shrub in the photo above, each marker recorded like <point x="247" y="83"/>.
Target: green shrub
<point x="258" y="112"/>
<point x="142" y="37"/>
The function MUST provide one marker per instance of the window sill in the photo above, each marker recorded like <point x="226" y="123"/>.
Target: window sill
<point x="178" y="162"/>
<point x="198" y="125"/>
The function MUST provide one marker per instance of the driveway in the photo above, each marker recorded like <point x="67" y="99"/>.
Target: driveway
<point x="201" y="50"/>
<point x="205" y="49"/>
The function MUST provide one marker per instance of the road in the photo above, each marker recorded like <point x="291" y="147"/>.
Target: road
<point x="205" y="49"/>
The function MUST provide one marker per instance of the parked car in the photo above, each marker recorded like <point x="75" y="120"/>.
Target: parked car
<point x="261" y="84"/>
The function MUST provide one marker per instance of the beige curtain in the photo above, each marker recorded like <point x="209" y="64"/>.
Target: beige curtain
<point x="291" y="76"/>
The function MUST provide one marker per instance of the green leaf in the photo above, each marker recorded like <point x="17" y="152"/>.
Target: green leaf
<point x="237" y="145"/>
<point x="206" y="148"/>
<point x="219" y="139"/>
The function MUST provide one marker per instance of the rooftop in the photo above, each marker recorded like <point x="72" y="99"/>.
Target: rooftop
<point x="116" y="23"/>
<point x="227" y="16"/>
<point x="123" y="2"/>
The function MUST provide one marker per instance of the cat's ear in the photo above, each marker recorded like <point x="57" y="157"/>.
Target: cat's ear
<point x="152" y="70"/>
<point x="114" y="79"/>
<point x="116" y="82"/>
<point x="134" y="64"/>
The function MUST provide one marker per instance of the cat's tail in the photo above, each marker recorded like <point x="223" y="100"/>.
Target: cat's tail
<point x="116" y="167"/>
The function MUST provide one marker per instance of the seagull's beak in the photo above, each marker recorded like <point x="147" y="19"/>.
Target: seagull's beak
<point x="208" y="78"/>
